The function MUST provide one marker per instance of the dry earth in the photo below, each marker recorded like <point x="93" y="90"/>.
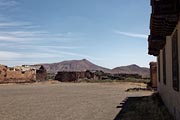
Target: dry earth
<point x="64" y="101"/>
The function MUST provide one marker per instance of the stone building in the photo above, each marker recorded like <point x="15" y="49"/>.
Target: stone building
<point x="73" y="76"/>
<point x="41" y="73"/>
<point x="22" y="74"/>
<point x="18" y="76"/>
<point x="3" y="73"/>
<point x="67" y="76"/>
<point x="153" y="74"/>
<point x="164" y="43"/>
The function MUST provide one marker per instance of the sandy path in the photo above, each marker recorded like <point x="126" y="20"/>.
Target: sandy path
<point x="64" y="101"/>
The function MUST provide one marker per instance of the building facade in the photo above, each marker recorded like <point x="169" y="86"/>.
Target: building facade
<point x="164" y="43"/>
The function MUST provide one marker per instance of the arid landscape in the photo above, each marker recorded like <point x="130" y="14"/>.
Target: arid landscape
<point x="70" y="71"/>
<point x="89" y="60"/>
<point x="84" y="64"/>
<point x="64" y="101"/>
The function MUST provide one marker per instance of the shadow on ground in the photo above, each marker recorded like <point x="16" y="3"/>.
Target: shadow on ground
<point x="143" y="108"/>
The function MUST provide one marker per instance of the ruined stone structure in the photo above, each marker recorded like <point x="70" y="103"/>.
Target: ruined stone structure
<point x="21" y="74"/>
<point x="164" y="42"/>
<point x="153" y="74"/>
<point x="66" y="76"/>
<point x="89" y="74"/>
<point x="41" y="73"/>
<point x="18" y="76"/>
<point x="73" y="76"/>
<point x="3" y="73"/>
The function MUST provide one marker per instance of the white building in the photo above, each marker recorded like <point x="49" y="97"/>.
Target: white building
<point x="164" y="42"/>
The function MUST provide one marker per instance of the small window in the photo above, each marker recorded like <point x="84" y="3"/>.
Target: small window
<point x="23" y="72"/>
<point x="164" y="66"/>
<point x="175" y="63"/>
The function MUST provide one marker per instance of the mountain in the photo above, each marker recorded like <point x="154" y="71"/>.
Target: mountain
<point x="83" y="65"/>
<point x="132" y="69"/>
<point x="73" y="65"/>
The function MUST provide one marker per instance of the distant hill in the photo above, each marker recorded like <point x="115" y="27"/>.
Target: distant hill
<point x="132" y="69"/>
<point x="74" y="65"/>
<point x="83" y="65"/>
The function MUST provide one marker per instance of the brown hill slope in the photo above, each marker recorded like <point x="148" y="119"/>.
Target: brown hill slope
<point x="83" y="65"/>
<point x="131" y="69"/>
<point x="74" y="65"/>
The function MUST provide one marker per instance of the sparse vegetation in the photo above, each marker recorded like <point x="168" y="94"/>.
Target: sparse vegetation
<point x="136" y="80"/>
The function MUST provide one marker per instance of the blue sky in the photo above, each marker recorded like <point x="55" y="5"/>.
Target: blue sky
<point x="109" y="33"/>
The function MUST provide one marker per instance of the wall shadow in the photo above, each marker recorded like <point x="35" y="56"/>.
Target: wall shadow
<point x="126" y="105"/>
<point x="143" y="108"/>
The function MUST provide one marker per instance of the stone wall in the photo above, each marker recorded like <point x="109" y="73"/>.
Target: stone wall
<point x="41" y="74"/>
<point x="66" y="76"/>
<point x="3" y="73"/>
<point x="153" y="74"/>
<point x="69" y="76"/>
<point x="19" y="75"/>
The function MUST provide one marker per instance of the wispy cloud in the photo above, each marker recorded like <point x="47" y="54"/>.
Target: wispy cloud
<point x="19" y="40"/>
<point x="8" y="55"/>
<point x="57" y="47"/>
<point x="12" y="34"/>
<point x="12" y="58"/>
<point x="135" y="35"/>
<point x="15" y="58"/>
<point x="11" y="38"/>
<point x="71" y="54"/>
<point x="24" y="33"/>
<point x="8" y="3"/>
<point x="39" y="47"/>
<point x="41" y="56"/>
<point x="23" y="42"/>
<point x="34" y="35"/>
<point x="14" y="24"/>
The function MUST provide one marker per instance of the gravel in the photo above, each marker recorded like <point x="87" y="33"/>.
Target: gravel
<point x="64" y="101"/>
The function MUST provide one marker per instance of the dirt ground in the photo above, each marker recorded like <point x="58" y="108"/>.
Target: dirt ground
<point x="64" y="101"/>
